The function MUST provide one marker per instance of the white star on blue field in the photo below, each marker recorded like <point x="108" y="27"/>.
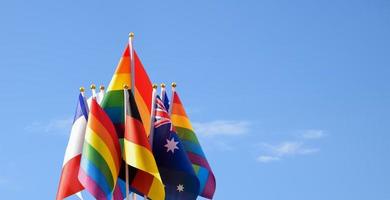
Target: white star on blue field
<point x="289" y="99"/>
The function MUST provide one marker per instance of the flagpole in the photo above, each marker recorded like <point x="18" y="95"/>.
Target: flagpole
<point x="132" y="61"/>
<point x="162" y="85"/>
<point x="125" y="95"/>
<point x="173" y="93"/>
<point x="93" y="87"/>
<point x="151" y="134"/>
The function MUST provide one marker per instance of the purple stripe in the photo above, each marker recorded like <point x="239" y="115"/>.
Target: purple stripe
<point x="91" y="185"/>
<point x="209" y="188"/>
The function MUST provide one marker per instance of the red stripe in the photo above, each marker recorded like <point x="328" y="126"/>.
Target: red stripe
<point x="135" y="132"/>
<point x="142" y="182"/>
<point x="142" y="82"/>
<point x="69" y="182"/>
<point x="126" y="53"/>
<point x="196" y="159"/>
<point x="176" y="98"/>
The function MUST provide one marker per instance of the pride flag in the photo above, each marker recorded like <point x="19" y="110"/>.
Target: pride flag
<point x="101" y="157"/>
<point x="113" y="98"/>
<point x="144" y="177"/>
<point x="194" y="151"/>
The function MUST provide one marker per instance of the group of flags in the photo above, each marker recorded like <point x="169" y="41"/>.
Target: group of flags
<point x="131" y="140"/>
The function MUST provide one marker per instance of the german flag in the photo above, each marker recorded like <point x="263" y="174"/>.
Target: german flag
<point x="144" y="177"/>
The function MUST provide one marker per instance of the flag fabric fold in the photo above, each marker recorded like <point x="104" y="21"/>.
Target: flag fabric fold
<point x="101" y="157"/>
<point x="194" y="151"/>
<point x="69" y="183"/>
<point x="175" y="167"/>
<point x="144" y="177"/>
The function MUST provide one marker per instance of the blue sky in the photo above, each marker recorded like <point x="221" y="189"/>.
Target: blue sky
<point x="290" y="98"/>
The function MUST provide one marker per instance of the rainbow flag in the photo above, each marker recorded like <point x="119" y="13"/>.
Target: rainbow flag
<point x="112" y="102"/>
<point x="101" y="157"/>
<point x="144" y="177"/>
<point x="113" y="99"/>
<point x="194" y="151"/>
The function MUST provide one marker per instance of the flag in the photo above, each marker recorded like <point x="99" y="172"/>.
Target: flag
<point x="101" y="157"/>
<point x="175" y="168"/>
<point x="194" y="151"/>
<point x="143" y="90"/>
<point x="164" y="98"/>
<point x="113" y="98"/>
<point x="69" y="183"/>
<point x="144" y="177"/>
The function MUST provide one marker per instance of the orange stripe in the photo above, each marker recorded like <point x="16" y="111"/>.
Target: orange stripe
<point x="123" y="66"/>
<point x="143" y="111"/>
<point x="178" y="109"/>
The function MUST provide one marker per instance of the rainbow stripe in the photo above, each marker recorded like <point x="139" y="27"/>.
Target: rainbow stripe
<point x="101" y="157"/>
<point x="192" y="146"/>
<point x="113" y="100"/>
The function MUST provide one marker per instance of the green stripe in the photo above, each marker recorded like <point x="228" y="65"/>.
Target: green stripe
<point x="94" y="157"/>
<point x="113" y="98"/>
<point x="196" y="168"/>
<point x="186" y="134"/>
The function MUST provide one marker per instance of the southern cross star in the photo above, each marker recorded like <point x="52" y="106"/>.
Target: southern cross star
<point x="171" y="145"/>
<point x="180" y="188"/>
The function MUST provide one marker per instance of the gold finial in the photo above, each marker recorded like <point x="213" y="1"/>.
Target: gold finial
<point x="174" y="85"/>
<point x="93" y="86"/>
<point x="125" y="86"/>
<point x="162" y="85"/>
<point x="154" y="86"/>
<point x="102" y="87"/>
<point x="131" y="34"/>
<point x="82" y="89"/>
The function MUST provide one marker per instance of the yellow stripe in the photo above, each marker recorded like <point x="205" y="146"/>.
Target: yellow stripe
<point x="157" y="191"/>
<point x="96" y="142"/>
<point x="118" y="80"/>
<point x="181" y="121"/>
<point x="141" y="158"/>
<point x="143" y="111"/>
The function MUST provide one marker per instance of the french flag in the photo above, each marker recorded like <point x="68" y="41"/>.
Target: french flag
<point x="69" y="183"/>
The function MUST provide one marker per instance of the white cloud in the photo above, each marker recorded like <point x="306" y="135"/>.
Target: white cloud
<point x="52" y="126"/>
<point x="221" y="127"/>
<point x="267" y="159"/>
<point x="276" y="152"/>
<point x="289" y="148"/>
<point x="313" y="134"/>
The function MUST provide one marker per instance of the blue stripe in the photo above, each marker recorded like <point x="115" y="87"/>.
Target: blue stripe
<point x="116" y="114"/>
<point x="81" y="108"/>
<point x="96" y="175"/>
<point x="192" y="147"/>
<point x="203" y="174"/>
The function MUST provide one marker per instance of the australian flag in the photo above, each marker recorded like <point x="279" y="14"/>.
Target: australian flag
<point x="175" y="167"/>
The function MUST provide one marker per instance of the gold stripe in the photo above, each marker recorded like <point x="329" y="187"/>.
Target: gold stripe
<point x="118" y="80"/>
<point x="96" y="142"/>
<point x="181" y="121"/>
<point x="157" y="191"/>
<point x="141" y="158"/>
